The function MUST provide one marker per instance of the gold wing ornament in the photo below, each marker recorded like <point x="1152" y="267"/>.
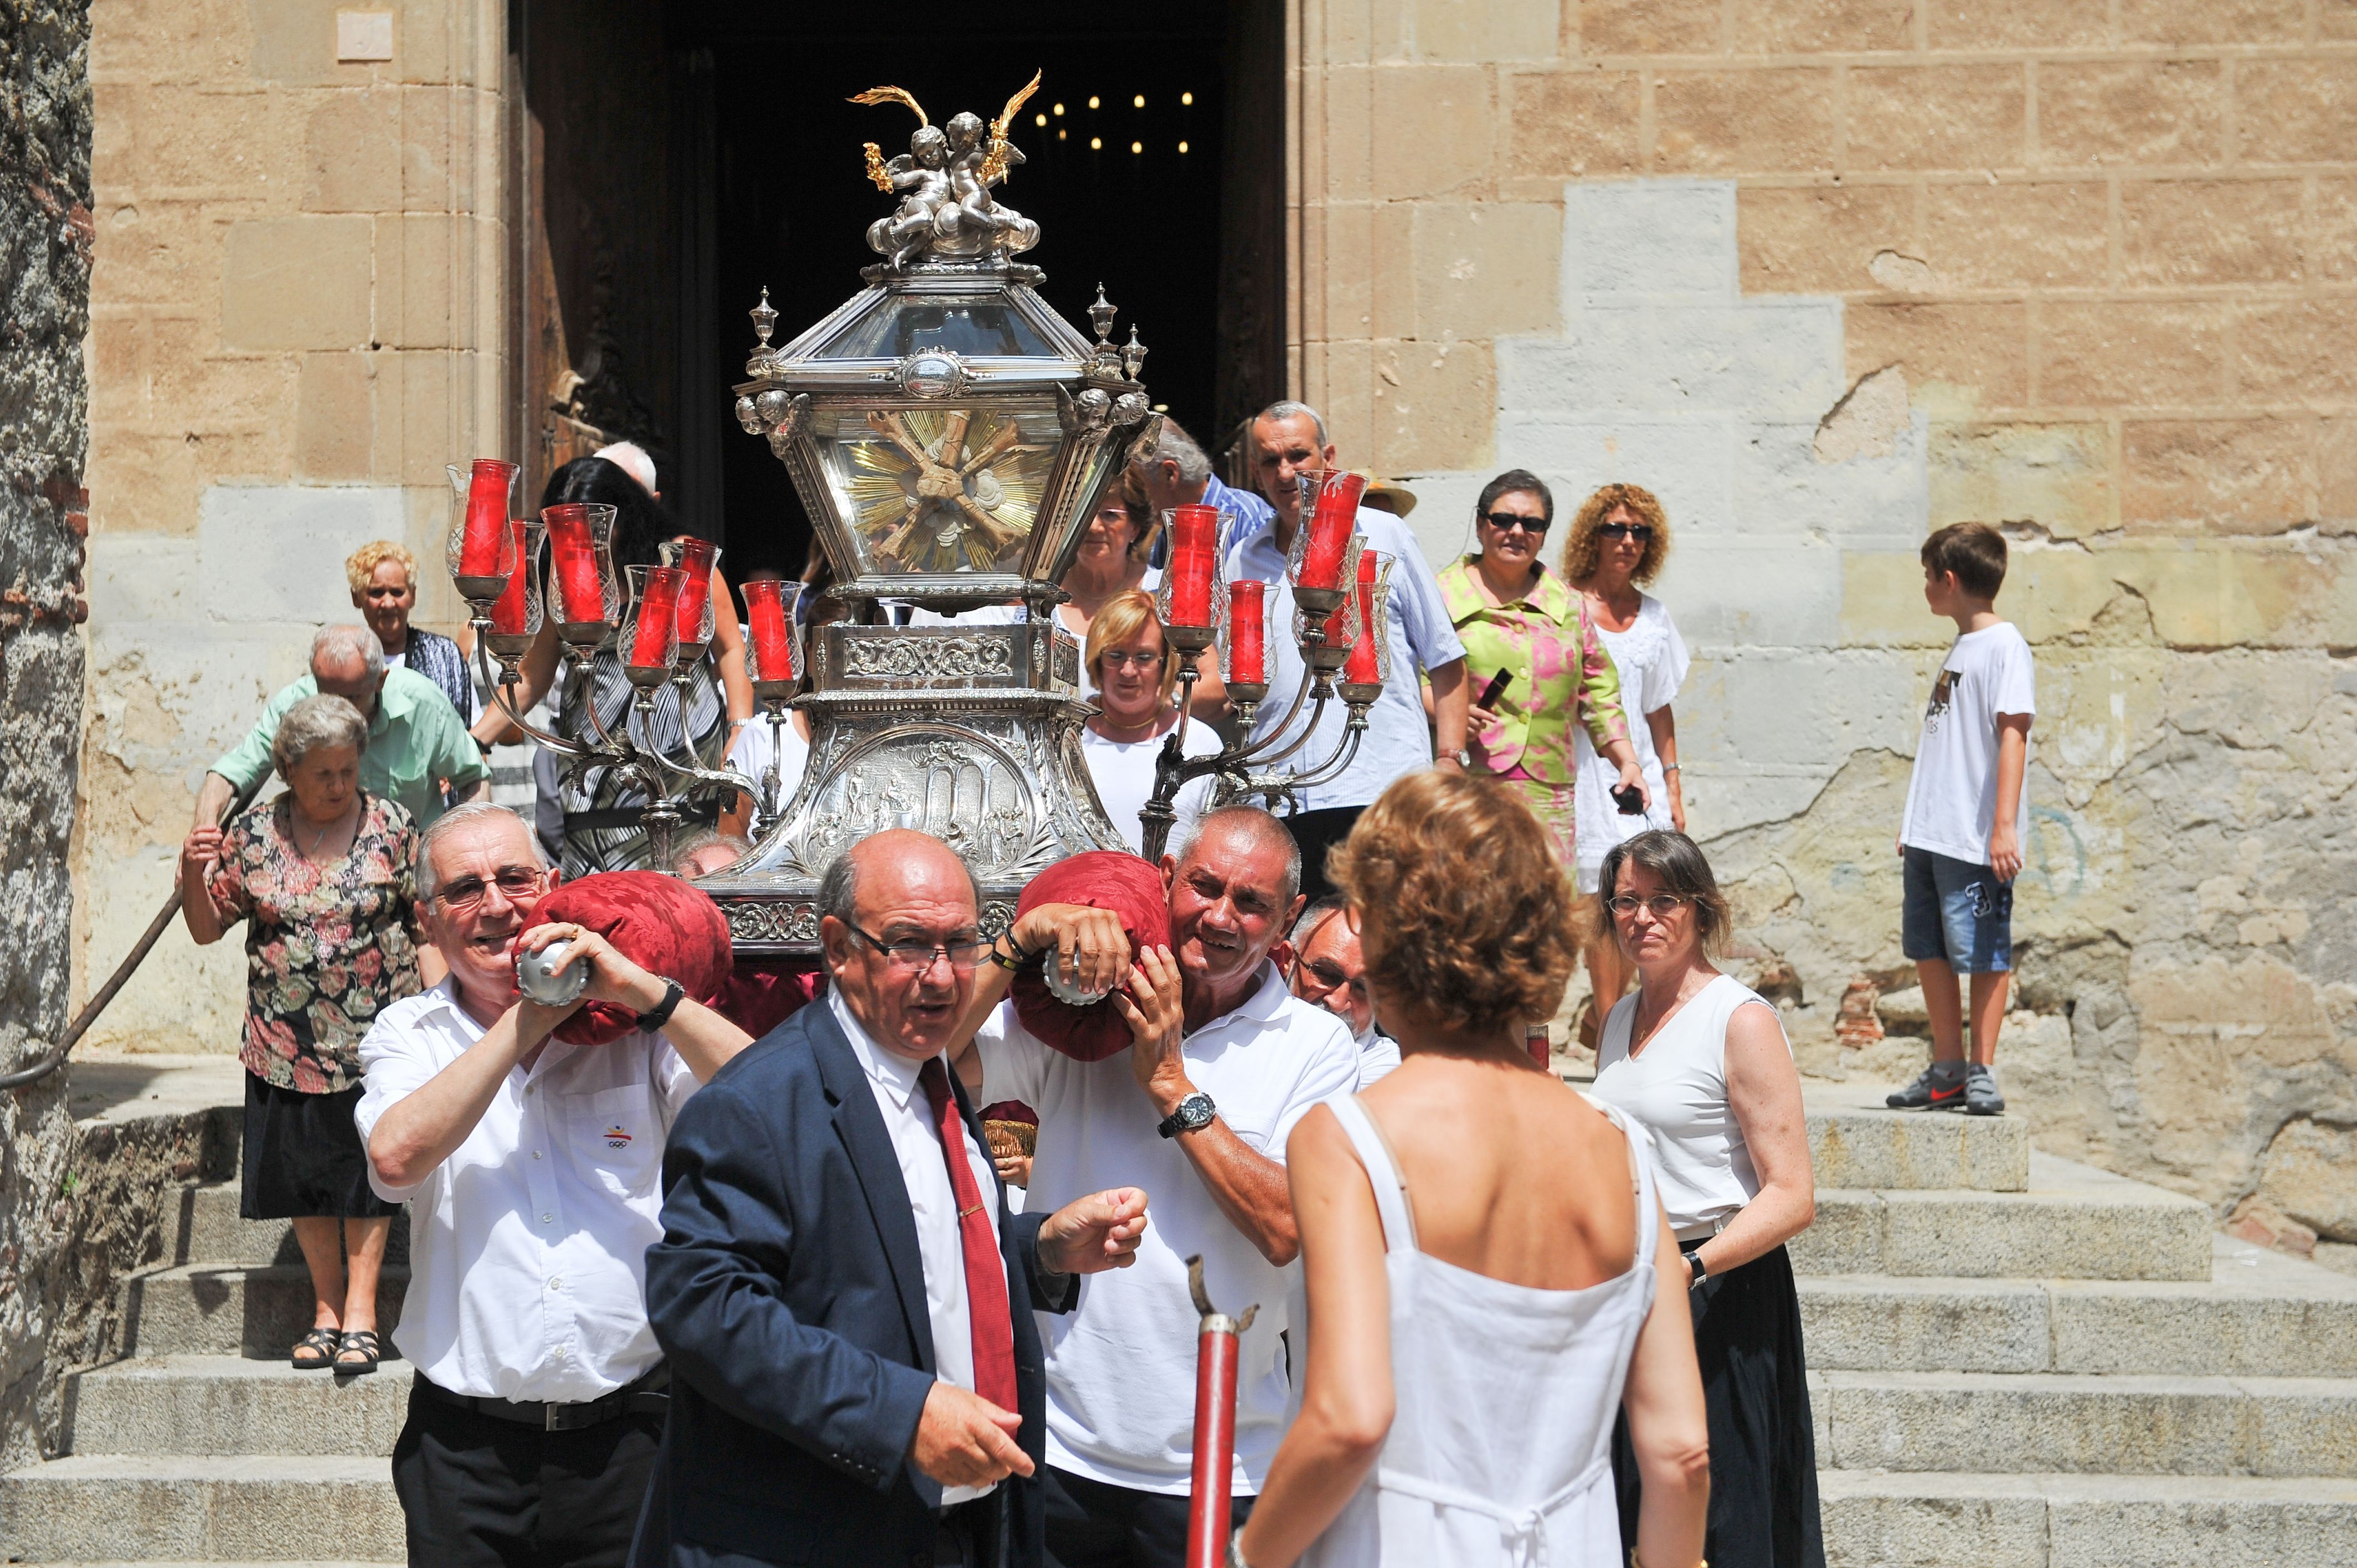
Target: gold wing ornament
<point x="877" y="172"/>
<point x="900" y="95"/>
<point x="994" y="162"/>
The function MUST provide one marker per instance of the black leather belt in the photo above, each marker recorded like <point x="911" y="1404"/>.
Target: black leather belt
<point x="645" y="1397"/>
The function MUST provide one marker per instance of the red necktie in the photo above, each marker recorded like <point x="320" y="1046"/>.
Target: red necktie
<point x="985" y="1268"/>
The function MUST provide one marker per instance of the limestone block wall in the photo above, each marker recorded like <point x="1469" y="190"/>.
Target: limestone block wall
<point x="297" y="317"/>
<point x="1826" y="276"/>
<point x="44" y="232"/>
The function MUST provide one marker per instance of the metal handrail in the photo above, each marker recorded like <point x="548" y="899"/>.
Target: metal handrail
<point x="25" y="1078"/>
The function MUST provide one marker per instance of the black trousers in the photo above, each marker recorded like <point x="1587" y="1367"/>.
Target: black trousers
<point x="1094" y="1525"/>
<point x="1763" y="1452"/>
<point x="479" y="1492"/>
<point x="1317" y="831"/>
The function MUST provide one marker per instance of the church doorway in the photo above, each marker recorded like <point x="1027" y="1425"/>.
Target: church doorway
<point x="674" y="159"/>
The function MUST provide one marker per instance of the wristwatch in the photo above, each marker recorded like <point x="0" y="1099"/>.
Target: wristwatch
<point x="659" y="1013"/>
<point x="1694" y="1262"/>
<point x="1195" y="1110"/>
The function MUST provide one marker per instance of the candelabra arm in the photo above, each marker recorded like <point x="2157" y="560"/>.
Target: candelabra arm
<point x="1323" y="694"/>
<point x="500" y="688"/>
<point x="1173" y="772"/>
<point x="1335" y="766"/>
<point x="1255" y="750"/>
<point x="656" y="768"/>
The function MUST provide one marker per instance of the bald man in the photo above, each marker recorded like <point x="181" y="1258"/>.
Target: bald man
<point x="842" y="1290"/>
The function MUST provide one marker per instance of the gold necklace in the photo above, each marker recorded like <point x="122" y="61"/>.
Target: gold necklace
<point x="317" y="844"/>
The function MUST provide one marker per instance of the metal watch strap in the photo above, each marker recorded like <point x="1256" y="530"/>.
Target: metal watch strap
<point x="1188" y="1117"/>
<point x="655" y="1017"/>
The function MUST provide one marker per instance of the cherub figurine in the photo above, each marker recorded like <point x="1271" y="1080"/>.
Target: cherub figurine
<point x="975" y="221"/>
<point x="944" y="183"/>
<point x="921" y="178"/>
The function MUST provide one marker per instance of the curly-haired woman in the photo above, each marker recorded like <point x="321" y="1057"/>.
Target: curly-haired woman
<point x="1616" y="544"/>
<point x="325" y="878"/>
<point x="1490" y="1275"/>
<point x="383" y="579"/>
<point x="1529" y="649"/>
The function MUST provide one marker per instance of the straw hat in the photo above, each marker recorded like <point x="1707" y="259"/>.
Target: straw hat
<point x="1389" y="495"/>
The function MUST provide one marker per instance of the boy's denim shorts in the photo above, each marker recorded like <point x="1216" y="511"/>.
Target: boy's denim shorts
<point x="1957" y="911"/>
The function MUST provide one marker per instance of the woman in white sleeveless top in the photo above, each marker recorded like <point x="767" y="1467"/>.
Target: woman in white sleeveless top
<point x="1489" y="1274"/>
<point x="1701" y="1061"/>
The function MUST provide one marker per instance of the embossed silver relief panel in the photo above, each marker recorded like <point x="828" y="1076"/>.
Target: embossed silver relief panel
<point x="958" y="659"/>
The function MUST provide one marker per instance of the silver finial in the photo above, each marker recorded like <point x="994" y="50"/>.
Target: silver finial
<point x="1102" y="314"/>
<point x="764" y="320"/>
<point x="1133" y="357"/>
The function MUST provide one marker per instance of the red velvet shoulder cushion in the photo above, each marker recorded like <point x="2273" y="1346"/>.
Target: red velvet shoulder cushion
<point x="1102" y="879"/>
<point x="665" y="926"/>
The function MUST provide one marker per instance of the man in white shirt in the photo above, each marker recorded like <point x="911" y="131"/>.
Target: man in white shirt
<point x="1289" y="440"/>
<point x="530" y="1168"/>
<point x="1329" y="970"/>
<point x="1226" y="1061"/>
<point x="840" y="1285"/>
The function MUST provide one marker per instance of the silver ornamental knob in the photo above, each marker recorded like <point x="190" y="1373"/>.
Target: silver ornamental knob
<point x="1064" y="990"/>
<point x="537" y="978"/>
<point x="1102" y="314"/>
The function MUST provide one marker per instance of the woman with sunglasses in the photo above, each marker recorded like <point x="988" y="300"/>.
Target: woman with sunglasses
<point x="1701" y="1059"/>
<point x="1135" y="671"/>
<point x="1539" y="675"/>
<point x="1617" y="543"/>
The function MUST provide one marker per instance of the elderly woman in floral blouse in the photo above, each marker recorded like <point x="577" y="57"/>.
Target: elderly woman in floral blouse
<point x="1518" y="619"/>
<point x="325" y="878"/>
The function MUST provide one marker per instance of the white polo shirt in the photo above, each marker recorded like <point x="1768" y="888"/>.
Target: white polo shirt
<point x="908" y="1114"/>
<point x="528" y="1246"/>
<point x="1121" y="1366"/>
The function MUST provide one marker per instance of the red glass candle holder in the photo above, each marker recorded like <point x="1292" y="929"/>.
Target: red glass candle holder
<point x="481" y="552"/>
<point x="1244" y="650"/>
<point x="649" y="639"/>
<point x="1319" y="563"/>
<point x="1189" y="599"/>
<point x="517" y="615"/>
<point x="1370" y="661"/>
<point x="772" y="651"/>
<point x="587" y="600"/>
<point x="697" y="558"/>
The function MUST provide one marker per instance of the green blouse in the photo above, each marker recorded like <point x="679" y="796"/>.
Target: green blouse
<point x="1561" y="674"/>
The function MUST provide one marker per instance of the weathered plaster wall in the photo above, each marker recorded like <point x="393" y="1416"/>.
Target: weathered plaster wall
<point x="296" y="320"/>
<point x="45" y="234"/>
<point x="1826" y="276"/>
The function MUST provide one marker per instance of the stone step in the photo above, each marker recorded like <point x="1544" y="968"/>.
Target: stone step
<point x="207" y="1309"/>
<point x="1855" y="1141"/>
<point x="2075" y="1222"/>
<point x="259" y="1507"/>
<point x="1884" y="1519"/>
<point x="2109" y="1424"/>
<point x="207" y="1228"/>
<point x="2259" y="1313"/>
<point x="230" y="1405"/>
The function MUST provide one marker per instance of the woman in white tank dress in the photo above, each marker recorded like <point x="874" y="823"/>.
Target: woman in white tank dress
<point x="1457" y="1404"/>
<point x="1701" y="1061"/>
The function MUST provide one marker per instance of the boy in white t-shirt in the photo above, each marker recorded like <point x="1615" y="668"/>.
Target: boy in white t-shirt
<point x="1965" y="820"/>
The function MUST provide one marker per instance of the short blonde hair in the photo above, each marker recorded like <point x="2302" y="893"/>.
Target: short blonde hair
<point x="1463" y="910"/>
<point x="1123" y="618"/>
<point x="1581" y="549"/>
<point x="362" y="564"/>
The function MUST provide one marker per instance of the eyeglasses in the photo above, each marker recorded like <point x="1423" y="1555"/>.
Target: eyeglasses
<point x="1502" y="521"/>
<point x="1660" y="906"/>
<point x="963" y="953"/>
<point x="1325" y="976"/>
<point x="515" y="884"/>
<point x="1121" y="658"/>
<point x="1642" y="532"/>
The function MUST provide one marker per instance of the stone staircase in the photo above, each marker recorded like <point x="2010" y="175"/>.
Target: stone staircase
<point x="202" y="1444"/>
<point x="2019" y="1360"/>
<point x="2016" y="1362"/>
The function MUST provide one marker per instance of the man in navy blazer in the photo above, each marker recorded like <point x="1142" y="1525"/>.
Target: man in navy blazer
<point x="824" y="1288"/>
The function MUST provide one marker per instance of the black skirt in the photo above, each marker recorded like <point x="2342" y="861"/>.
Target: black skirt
<point x="1763" y="1451"/>
<point x="304" y="1158"/>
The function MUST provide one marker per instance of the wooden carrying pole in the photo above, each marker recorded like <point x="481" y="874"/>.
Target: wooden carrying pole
<point x="1215" y="1423"/>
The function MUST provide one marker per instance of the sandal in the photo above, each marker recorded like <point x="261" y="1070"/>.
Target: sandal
<point x="321" y="1342"/>
<point x="363" y="1341"/>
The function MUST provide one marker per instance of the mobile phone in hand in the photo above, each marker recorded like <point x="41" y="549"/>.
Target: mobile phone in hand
<point x="1630" y="800"/>
<point x="1495" y="689"/>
